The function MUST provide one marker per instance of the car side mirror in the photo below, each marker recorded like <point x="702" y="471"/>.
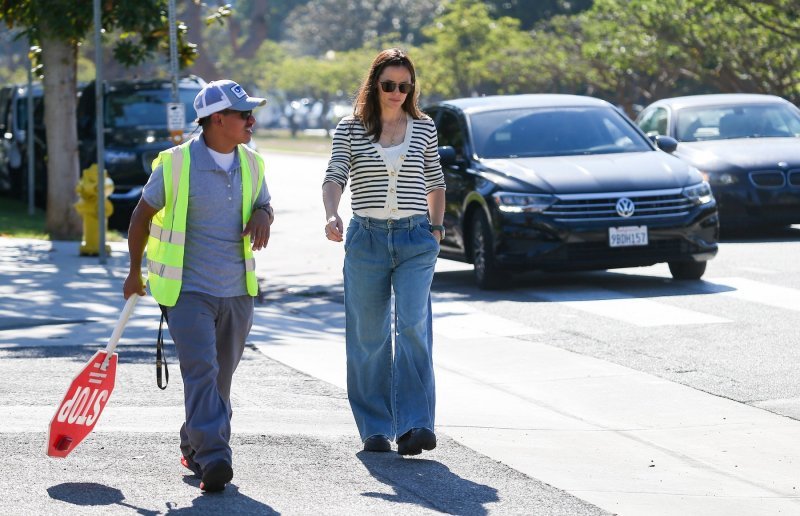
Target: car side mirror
<point x="666" y="143"/>
<point x="447" y="155"/>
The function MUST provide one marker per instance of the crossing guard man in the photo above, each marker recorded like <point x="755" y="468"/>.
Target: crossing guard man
<point x="203" y="212"/>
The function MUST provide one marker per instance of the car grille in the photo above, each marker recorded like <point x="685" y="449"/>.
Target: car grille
<point x="768" y="178"/>
<point x="648" y="205"/>
<point x="794" y="177"/>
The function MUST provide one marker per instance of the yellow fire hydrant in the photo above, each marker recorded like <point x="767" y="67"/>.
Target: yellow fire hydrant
<point x="87" y="208"/>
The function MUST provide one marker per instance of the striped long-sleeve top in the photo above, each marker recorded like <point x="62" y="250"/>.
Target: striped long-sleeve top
<point x="379" y="185"/>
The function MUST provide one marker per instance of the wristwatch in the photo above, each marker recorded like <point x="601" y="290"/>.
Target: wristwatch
<point x="267" y="208"/>
<point x="439" y="228"/>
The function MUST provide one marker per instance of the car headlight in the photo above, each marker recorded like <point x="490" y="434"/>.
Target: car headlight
<point x="699" y="193"/>
<point x="719" y="178"/>
<point x="511" y="202"/>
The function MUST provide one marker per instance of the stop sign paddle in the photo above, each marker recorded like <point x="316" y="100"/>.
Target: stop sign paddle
<point x="87" y="395"/>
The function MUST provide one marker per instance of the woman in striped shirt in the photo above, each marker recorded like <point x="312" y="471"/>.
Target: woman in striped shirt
<point x="388" y="152"/>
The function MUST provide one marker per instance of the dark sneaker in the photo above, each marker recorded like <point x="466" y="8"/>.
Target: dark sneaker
<point x="216" y="475"/>
<point x="189" y="463"/>
<point x="416" y="440"/>
<point x="377" y="443"/>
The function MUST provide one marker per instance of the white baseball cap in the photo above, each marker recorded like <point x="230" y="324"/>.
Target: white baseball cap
<point x="224" y="94"/>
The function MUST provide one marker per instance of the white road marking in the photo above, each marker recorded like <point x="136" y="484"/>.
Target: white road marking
<point x="626" y="308"/>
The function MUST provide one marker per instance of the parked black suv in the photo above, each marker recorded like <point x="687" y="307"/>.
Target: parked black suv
<point x="135" y="120"/>
<point x="13" y="142"/>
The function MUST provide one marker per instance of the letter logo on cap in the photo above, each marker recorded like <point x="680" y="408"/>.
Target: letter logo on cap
<point x="238" y="91"/>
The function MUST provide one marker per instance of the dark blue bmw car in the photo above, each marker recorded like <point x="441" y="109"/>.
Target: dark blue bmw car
<point x="565" y="182"/>
<point x="746" y="146"/>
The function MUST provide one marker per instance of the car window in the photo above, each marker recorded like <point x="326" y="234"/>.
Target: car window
<point x="450" y="132"/>
<point x="145" y="108"/>
<point x="554" y="132"/>
<point x="655" y="122"/>
<point x="740" y="121"/>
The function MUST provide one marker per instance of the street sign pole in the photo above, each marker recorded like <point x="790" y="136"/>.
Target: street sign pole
<point x="30" y="138"/>
<point x="101" y="162"/>
<point x="175" y="108"/>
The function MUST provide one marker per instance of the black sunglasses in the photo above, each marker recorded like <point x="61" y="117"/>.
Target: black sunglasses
<point x="244" y="114"/>
<point x="390" y="86"/>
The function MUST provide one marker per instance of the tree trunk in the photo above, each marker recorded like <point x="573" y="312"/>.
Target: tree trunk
<point x="203" y="66"/>
<point x="60" y="103"/>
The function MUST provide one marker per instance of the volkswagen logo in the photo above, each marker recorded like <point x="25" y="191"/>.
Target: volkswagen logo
<point x="625" y="207"/>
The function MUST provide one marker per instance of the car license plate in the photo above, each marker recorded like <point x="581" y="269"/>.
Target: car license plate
<point x="627" y="236"/>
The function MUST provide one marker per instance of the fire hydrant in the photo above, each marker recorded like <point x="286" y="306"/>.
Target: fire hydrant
<point x="87" y="208"/>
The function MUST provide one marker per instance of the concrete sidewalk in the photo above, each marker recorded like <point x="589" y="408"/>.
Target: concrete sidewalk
<point x="295" y="446"/>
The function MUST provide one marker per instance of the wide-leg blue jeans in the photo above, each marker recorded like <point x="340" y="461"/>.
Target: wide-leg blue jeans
<point x="391" y="389"/>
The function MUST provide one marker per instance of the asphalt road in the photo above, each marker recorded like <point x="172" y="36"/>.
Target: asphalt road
<point x="624" y="389"/>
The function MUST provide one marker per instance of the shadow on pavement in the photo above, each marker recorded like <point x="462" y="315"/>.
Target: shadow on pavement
<point x="90" y="493"/>
<point x="427" y="483"/>
<point x="228" y="501"/>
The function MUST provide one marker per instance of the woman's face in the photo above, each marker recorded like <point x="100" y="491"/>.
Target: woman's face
<point x="393" y="77"/>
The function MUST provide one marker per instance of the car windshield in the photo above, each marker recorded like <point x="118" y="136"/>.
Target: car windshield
<point x="740" y="121"/>
<point x="533" y="132"/>
<point x="145" y="109"/>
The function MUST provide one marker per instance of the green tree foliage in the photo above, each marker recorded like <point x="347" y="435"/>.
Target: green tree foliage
<point x="645" y="49"/>
<point x="323" y="25"/>
<point x="471" y="53"/>
<point x="530" y="13"/>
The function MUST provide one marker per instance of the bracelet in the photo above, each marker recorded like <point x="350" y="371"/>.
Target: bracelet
<point x="332" y="218"/>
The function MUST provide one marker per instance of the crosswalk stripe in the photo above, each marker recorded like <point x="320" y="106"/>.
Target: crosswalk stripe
<point x="762" y="293"/>
<point x="457" y="320"/>
<point x="626" y="308"/>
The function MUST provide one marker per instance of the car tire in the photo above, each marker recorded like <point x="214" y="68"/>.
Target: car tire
<point x="488" y="275"/>
<point x="687" y="270"/>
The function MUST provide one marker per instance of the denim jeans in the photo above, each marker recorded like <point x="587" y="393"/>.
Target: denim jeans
<point x="390" y="390"/>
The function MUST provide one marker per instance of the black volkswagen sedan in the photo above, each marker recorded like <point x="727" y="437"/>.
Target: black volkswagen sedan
<point x="746" y="146"/>
<point x="564" y="182"/>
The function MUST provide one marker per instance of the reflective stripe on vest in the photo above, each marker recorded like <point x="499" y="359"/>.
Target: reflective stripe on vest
<point x="165" y="246"/>
<point x="250" y="160"/>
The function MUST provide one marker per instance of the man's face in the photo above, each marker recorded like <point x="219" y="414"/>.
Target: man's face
<point x="236" y="126"/>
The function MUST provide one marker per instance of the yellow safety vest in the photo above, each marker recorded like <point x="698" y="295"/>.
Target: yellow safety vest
<point x="165" y="245"/>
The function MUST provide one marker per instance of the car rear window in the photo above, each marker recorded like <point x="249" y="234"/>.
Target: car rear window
<point x="518" y="133"/>
<point x="145" y="108"/>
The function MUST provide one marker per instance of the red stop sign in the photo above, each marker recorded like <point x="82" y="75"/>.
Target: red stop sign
<point x="82" y="405"/>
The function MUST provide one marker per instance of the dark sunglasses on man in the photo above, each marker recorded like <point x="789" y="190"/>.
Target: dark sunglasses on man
<point x="390" y="86"/>
<point x="244" y="114"/>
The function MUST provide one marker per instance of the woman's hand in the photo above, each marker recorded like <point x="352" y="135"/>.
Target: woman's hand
<point x="334" y="228"/>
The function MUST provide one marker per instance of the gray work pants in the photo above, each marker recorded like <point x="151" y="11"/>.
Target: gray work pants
<point x="209" y="334"/>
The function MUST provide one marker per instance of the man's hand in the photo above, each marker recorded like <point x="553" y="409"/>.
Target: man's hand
<point x="134" y="284"/>
<point x="258" y="229"/>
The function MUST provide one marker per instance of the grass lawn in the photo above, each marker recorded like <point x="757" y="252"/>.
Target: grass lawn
<point x="280" y="140"/>
<point x="15" y="221"/>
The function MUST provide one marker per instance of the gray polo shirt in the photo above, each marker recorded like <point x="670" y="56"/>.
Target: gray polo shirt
<point x="213" y="261"/>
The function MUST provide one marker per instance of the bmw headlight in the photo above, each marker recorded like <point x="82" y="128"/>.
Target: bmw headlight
<point x="719" y="178"/>
<point x="511" y="202"/>
<point x="699" y="193"/>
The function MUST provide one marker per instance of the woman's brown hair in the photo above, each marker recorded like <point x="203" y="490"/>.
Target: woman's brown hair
<point x="367" y="107"/>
